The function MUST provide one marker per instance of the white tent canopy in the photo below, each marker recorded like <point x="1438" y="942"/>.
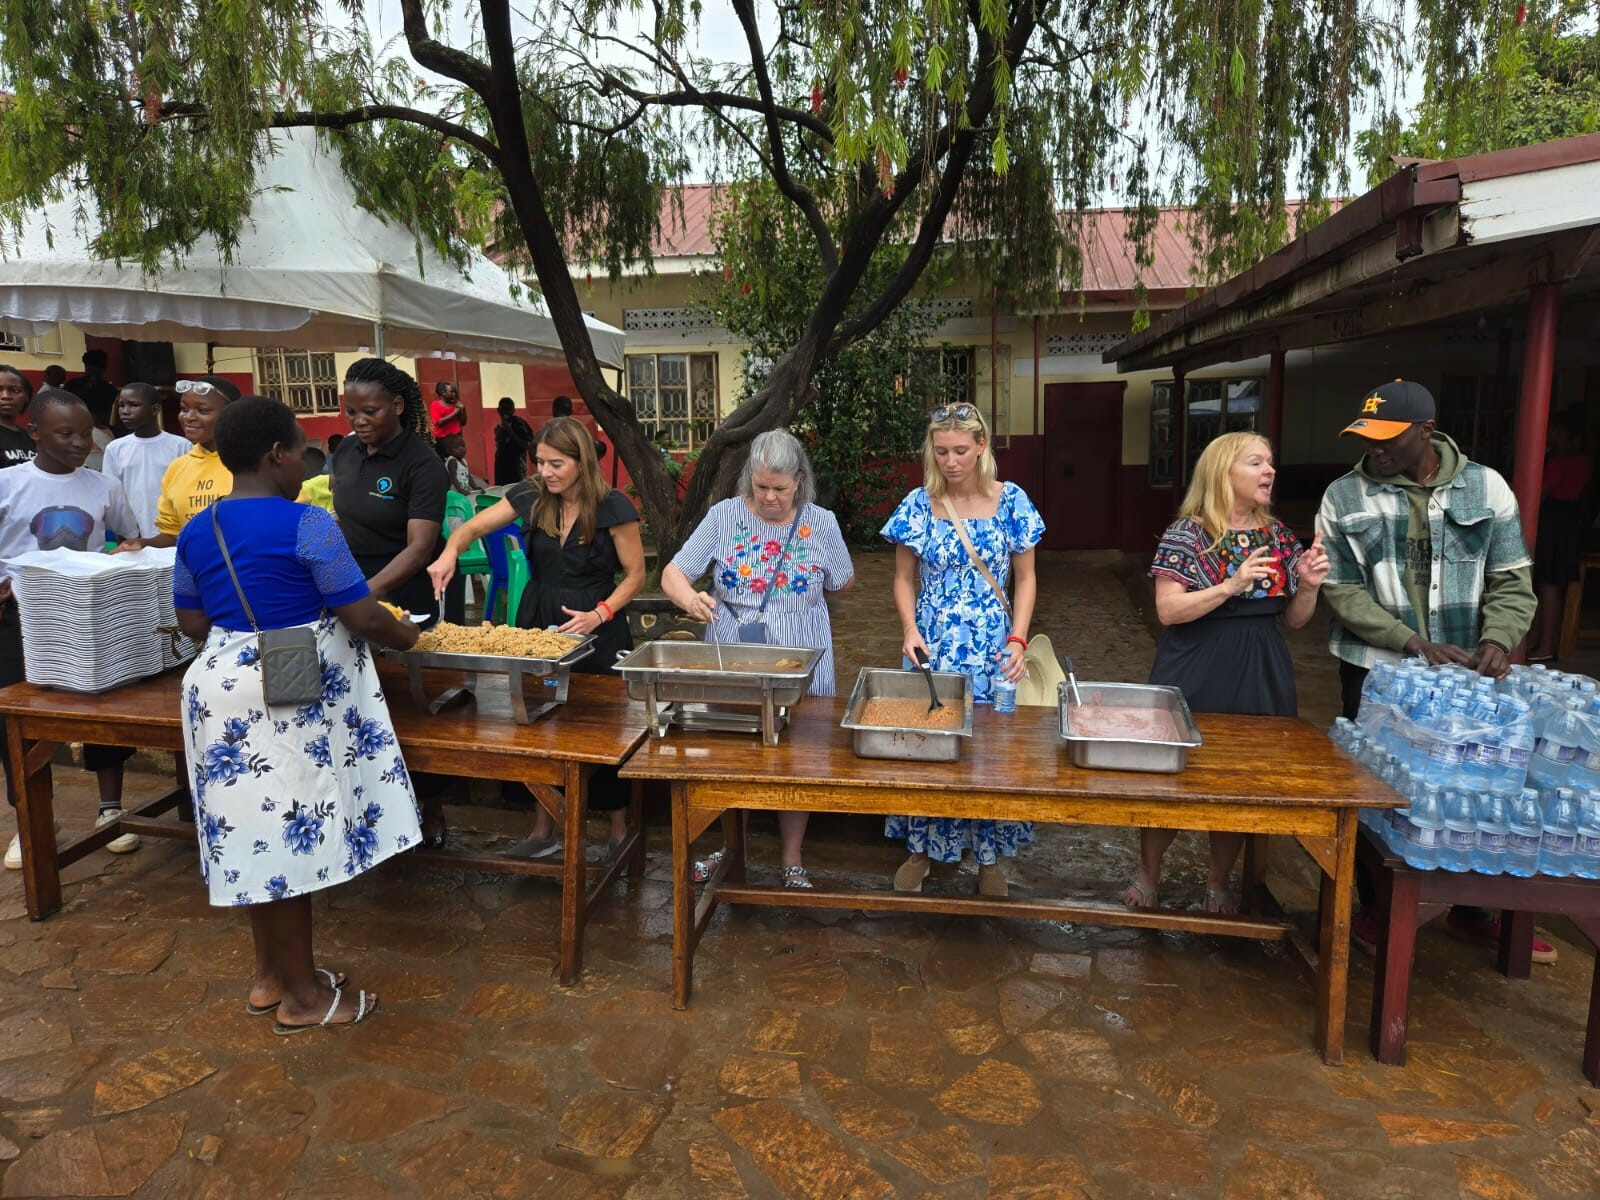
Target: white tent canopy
<point x="312" y="270"/>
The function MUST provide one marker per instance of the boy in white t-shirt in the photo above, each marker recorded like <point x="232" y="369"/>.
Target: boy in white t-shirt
<point x="54" y="503"/>
<point x="139" y="460"/>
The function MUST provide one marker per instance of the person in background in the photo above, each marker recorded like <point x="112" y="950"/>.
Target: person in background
<point x="1558" y="555"/>
<point x="1426" y="558"/>
<point x="318" y="486"/>
<point x="1225" y="571"/>
<point x="55" y="376"/>
<point x="333" y="444"/>
<point x="580" y="534"/>
<point x="94" y="389"/>
<point x="453" y="450"/>
<point x="446" y="412"/>
<point x="140" y="460"/>
<point x="513" y="440"/>
<point x="198" y="480"/>
<point x="773" y="557"/>
<point x="285" y="808"/>
<point x="54" y="503"/>
<point x="388" y="493"/>
<point x="561" y="406"/>
<point x="16" y="392"/>
<point x="952" y="614"/>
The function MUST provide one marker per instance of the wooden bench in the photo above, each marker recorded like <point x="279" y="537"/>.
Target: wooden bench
<point x="1408" y="898"/>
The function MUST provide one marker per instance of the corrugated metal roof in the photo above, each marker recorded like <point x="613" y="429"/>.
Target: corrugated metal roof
<point x="686" y="232"/>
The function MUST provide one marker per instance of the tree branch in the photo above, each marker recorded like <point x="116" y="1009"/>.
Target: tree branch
<point x="303" y="118"/>
<point x="798" y="196"/>
<point x="438" y="57"/>
<point x="960" y="143"/>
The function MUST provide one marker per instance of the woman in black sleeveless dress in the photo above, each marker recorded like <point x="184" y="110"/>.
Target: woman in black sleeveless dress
<point x="581" y="536"/>
<point x="1225" y="571"/>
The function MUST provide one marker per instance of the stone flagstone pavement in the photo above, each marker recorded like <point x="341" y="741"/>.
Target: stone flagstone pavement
<point x="825" y="1057"/>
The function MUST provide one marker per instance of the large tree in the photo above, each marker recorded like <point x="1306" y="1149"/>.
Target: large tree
<point x="893" y="126"/>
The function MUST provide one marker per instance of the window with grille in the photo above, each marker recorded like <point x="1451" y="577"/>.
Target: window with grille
<point x="942" y="376"/>
<point x="307" y="381"/>
<point x="1210" y="406"/>
<point x="10" y="339"/>
<point x="674" y="396"/>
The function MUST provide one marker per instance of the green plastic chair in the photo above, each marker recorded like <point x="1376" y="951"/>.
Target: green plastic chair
<point x="457" y="512"/>
<point x="518" y="576"/>
<point x="484" y="500"/>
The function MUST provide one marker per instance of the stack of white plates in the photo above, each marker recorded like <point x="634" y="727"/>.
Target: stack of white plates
<point x="91" y="622"/>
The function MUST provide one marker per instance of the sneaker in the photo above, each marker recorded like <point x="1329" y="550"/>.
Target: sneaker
<point x="127" y="843"/>
<point x="1364" y="931"/>
<point x="1485" y="931"/>
<point x="991" y="880"/>
<point x="14" y="850"/>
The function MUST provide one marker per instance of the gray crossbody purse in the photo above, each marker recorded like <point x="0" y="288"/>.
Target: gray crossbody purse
<point x="291" y="670"/>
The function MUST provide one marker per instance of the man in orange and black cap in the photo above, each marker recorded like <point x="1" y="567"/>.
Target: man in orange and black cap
<point x="1426" y="558"/>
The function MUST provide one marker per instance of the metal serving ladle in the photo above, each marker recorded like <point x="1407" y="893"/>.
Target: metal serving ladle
<point x="927" y="671"/>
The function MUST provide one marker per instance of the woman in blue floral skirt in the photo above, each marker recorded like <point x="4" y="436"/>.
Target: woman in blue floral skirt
<point x="287" y="800"/>
<point x="958" y="617"/>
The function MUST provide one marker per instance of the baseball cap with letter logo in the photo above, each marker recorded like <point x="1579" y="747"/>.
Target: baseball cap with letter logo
<point x="1390" y="409"/>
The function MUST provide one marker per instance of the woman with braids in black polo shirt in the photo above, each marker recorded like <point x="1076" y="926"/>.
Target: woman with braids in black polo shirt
<point x="389" y="485"/>
<point x="388" y="495"/>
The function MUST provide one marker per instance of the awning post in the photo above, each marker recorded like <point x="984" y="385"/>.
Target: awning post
<point x="1533" y="407"/>
<point x="1273" y="409"/>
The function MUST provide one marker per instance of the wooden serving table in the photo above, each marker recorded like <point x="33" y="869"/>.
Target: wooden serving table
<point x="1254" y="775"/>
<point x="555" y="757"/>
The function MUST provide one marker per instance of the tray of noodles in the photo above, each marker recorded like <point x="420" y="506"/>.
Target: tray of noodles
<point x="495" y="650"/>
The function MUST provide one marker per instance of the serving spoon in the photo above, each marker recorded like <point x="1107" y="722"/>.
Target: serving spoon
<point x="927" y="671"/>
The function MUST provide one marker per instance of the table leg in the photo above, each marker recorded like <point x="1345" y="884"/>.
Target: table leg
<point x="1590" y="928"/>
<point x="1333" y="960"/>
<point x="683" y="932"/>
<point x="636" y="819"/>
<point x="1398" y="894"/>
<point x="36" y="821"/>
<point x="735" y="836"/>
<point x="1515" y="955"/>
<point x="574" y="877"/>
<point x="186" y="802"/>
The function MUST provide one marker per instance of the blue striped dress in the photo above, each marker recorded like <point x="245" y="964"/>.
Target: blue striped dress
<point x="746" y="555"/>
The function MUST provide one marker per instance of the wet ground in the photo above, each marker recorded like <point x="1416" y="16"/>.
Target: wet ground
<point x="827" y="1056"/>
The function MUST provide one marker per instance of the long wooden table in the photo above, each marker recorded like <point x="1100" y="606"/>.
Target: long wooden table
<point x="1254" y="775"/>
<point x="555" y="757"/>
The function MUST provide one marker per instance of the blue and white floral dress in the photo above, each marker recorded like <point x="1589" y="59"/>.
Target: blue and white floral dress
<point x="287" y="800"/>
<point x="965" y="627"/>
<point x="747" y="556"/>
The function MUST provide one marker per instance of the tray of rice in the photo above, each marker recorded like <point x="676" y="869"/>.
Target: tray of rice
<point x="888" y="715"/>
<point x="494" y="651"/>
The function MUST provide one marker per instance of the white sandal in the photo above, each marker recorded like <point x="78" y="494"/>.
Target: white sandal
<point x="796" y="877"/>
<point x="362" y="1013"/>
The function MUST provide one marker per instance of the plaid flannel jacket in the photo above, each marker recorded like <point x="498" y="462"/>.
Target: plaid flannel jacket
<point x="1475" y="527"/>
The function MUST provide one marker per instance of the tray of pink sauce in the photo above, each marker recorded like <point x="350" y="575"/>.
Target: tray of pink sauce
<point x="1127" y="727"/>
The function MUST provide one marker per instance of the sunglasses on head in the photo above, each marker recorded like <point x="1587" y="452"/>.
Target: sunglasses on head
<point x="953" y="412"/>
<point x="197" y="386"/>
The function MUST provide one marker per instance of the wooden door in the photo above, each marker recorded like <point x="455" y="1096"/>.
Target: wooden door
<point x="1082" y="465"/>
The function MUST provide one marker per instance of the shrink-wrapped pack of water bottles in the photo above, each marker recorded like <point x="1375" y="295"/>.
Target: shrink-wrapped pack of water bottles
<point x="1503" y="777"/>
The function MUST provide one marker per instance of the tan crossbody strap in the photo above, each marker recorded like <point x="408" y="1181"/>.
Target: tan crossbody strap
<point x="972" y="553"/>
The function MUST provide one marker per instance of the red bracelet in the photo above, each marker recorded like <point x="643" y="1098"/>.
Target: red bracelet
<point x="599" y="604"/>
<point x="1018" y="639"/>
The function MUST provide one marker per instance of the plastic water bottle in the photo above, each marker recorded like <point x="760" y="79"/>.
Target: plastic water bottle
<point x="1583" y="776"/>
<point x="1449" y="746"/>
<point x="1489" y="848"/>
<point x="1586" y="853"/>
<point x="1460" y="833"/>
<point x="1424" y="824"/>
<point x="1516" y="748"/>
<point x="1555" y="747"/>
<point x="1481" y="758"/>
<point x="1560" y="832"/>
<point x="1524" y="833"/>
<point x="1005" y="695"/>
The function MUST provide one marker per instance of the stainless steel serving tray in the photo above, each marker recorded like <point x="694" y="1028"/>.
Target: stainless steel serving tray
<point x="1129" y="754"/>
<point x="907" y="741"/>
<point x="514" y="667"/>
<point x="731" y="685"/>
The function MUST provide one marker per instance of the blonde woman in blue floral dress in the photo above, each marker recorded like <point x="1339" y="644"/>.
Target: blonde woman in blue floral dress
<point x="950" y="612"/>
<point x="773" y="556"/>
<point x="288" y="799"/>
